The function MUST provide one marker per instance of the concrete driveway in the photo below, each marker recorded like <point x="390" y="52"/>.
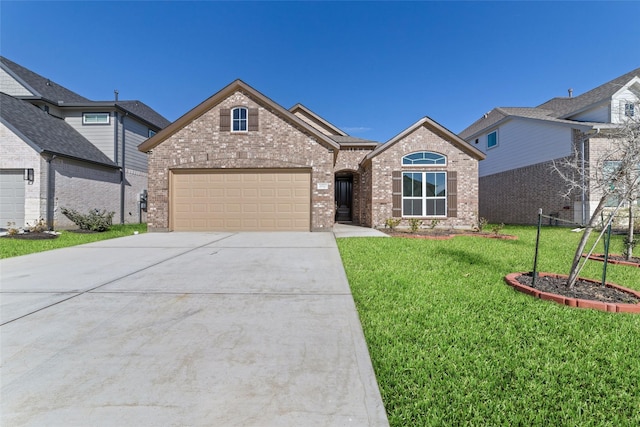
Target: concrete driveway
<point x="185" y="329"/>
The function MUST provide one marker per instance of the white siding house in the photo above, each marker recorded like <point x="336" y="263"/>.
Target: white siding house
<point x="522" y="143"/>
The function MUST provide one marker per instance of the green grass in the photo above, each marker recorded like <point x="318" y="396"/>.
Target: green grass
<point x="452" y="344"/>
<point x="17" y="247"/>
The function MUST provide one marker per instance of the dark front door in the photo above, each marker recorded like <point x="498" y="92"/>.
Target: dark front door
<point x="344" y="197"/>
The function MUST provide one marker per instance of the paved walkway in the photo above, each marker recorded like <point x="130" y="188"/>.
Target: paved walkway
<point x="185" y="329"/>
<point x="347" y="230"/>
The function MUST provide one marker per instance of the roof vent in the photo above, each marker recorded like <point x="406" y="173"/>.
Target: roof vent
<point x="48" y="82"/>
<point x="570" y="93"/>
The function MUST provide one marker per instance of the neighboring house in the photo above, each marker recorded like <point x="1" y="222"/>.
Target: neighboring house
<point x="517" y="177"/>
<point x="60" y="149"/>
<point x="240" y="161"/>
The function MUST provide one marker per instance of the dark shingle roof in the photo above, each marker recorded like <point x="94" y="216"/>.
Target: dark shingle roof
<point x="44" y="87"/>
<point x="145" y="112"/>
<point x="46" y="133"/>
<point x="565" y="107"/>
<point x="62" y="96"/>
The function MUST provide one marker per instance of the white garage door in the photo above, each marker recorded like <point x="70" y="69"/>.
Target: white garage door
<point x="12" y="197"/>
<point x="242" y="200"/>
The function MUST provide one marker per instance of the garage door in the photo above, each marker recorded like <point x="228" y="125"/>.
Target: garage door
<point x="243" y="200"/>
<point x="12" y="197"/>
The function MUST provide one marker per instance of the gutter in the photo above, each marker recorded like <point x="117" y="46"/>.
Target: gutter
<point x="50" y="191"/>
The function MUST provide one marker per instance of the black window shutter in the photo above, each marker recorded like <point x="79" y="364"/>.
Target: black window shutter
<point x="225" y="120"/>
<point x="253" y="119"/>
<point x="452" y="194"/>
<point x="396" y="194"/>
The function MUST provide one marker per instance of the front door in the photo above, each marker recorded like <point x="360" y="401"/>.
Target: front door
<point x="344" y="197"/>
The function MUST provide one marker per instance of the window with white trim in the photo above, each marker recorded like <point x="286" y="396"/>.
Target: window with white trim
<point x="95" y="118"/>
<point x="424" y="194"/>
<point x="239" y="119"/>
<point x="492" y="139"/>
<point x="424" y="158"/>
<point x="629" y="109"/>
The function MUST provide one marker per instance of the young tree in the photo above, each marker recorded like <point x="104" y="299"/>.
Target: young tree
<point x="614" y="174"/>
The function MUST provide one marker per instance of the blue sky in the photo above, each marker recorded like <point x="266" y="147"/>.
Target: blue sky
<point x="370" y="68"/>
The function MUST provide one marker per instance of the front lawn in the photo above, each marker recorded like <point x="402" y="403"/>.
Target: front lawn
<point x="15" y="247"/>
<point x="452" y="344"/>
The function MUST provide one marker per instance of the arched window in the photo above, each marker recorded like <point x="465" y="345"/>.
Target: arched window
<point x="239" y="119"/>
<point x="424" y="158"/>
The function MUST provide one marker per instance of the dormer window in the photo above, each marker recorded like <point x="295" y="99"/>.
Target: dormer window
<point x="239" y="119"/>
<point x="629" y="109"/>
<point x="424" y="158"/>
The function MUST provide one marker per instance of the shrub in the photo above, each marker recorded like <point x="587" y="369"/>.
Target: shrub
<point x="482" y="223"/>
<point x="434" y="223"/>
<point x="497" y="228"/>
<point x="38" y="226"/>
<point x="414" y="224"/>
<point x="11" y="228"/>
<point x="95" y="220"/>
<point x="392" y="223"/>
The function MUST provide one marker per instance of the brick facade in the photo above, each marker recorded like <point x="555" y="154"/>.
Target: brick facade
<point x="277" y="144"/>
<point x="202" y="139"/>
<point x="379" y="178"/>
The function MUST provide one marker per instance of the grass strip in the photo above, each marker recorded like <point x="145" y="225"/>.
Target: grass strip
<point x="16" y="247"/>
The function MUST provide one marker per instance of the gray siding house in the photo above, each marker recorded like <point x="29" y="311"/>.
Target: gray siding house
<point x="60" y="149"/>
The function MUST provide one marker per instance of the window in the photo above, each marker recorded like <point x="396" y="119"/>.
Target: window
<point x="609" y="171"/>
<point x="424" y="194"/>
<point x="151" y="132"/>
<point x="629" y="109"/>
<point x="492" y="139"/>
<point x="424" y="158"/>
<point x="239" y="119"/>
<point x="95" y="118"/>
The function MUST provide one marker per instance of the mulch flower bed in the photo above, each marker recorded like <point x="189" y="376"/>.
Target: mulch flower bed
<point x="615" y="259"/>
<point x="31" y="236"/>
<point x="446" y="234"/>
<point x="585" y="293"/>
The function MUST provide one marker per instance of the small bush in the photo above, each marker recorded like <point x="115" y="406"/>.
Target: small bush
<point x="392" y="223"/>
<point x="414" y="224"/>
<point x="38" y="226"/>
<point x="434" y="223"/>
<point x="11" y="228"/>
<point x="95" y="220"/>
<point x="497" y="228"/>
<point x="482" y="223"/>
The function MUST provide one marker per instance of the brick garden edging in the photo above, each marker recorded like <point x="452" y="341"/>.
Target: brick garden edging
<point x="511" y="280"/>
<point x="600" y="257"/>
<point x="452" y="235"/>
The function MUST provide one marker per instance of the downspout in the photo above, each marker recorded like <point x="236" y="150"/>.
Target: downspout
<point x="50" y="192"/>
<point x="123" y="186"/>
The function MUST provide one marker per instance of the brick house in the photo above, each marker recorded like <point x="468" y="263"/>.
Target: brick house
<point x="522" y="143"/>
<point x="239" y="161"/>
<point x="60" y="149"/>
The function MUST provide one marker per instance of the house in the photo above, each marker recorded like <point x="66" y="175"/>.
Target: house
<point x="521" y="144"/>
<point x="240" y="161"/>
<point x="60" y="149"/>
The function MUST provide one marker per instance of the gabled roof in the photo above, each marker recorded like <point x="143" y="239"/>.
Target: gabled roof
<point x="47" y="134"/>
<point x="47" y="90"/>
<point x="235" y="86"/>
<point x="436" y="128"/>
<point x="40" y="86"/>
<point x="307" y="112"/>
<point x="566" y="107"/>
<point x="555" y="110"/>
